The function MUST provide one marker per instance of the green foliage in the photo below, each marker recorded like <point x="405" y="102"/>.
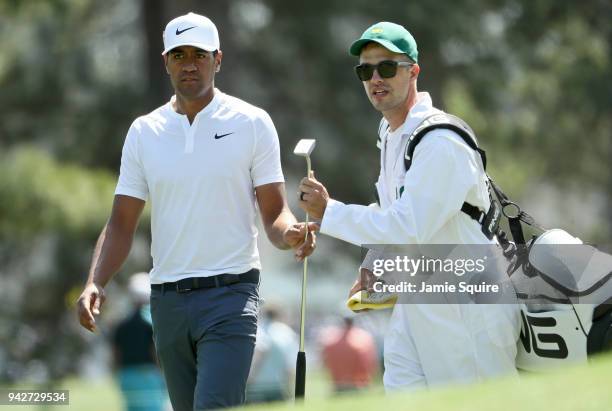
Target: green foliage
<point x="51" y="213"/>
<point x="65" y="84"/>
<point x="41" y="195"/>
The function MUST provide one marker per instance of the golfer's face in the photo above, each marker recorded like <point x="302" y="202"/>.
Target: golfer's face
<point x="191" y="70"/>
<point x="385" y="93"/>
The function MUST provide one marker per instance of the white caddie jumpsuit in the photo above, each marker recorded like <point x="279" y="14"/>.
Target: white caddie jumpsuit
<point x="429" y="344"/>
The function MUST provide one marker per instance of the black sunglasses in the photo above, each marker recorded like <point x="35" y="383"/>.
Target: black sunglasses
<point x="386" y="69"/>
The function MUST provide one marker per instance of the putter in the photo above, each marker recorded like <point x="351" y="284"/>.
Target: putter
<point x="303" y="148"/>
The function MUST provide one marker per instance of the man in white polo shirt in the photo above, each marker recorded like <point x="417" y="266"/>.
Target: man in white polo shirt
<point x="206" y="161"/>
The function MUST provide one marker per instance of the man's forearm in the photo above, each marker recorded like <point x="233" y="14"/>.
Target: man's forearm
<point x="276" y="231"/>
<point x="111" y="251"/>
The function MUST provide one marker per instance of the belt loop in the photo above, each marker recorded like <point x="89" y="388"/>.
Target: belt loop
<point x="216" y="277"/>
<point x="163" y="288"/>
<point x="196" y="282"/>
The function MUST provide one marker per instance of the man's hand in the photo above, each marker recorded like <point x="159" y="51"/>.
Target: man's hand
<point x="89" y="304"/>
<point x="295" y="236"/>
<point x="313" y="197"/>
<point x="365" y="281"/>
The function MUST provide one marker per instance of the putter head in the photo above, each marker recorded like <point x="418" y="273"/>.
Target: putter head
<point x="304" y="147"/>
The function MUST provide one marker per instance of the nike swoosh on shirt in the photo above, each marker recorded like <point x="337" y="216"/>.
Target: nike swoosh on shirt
<point x="218" y="136"/>
<point x="179" y="32"/>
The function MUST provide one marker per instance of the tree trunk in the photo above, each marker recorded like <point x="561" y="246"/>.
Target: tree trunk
<point x="155" y="20"/>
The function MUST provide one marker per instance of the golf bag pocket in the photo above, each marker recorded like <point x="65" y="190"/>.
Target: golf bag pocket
<point x="553" y="335"/>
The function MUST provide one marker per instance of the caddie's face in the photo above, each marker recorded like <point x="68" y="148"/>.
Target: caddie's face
<point x="192" y="71"/>
<point x="387" y="94"/>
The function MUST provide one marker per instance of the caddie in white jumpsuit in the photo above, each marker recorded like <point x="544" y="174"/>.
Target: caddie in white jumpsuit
<point x="426" y="344"/>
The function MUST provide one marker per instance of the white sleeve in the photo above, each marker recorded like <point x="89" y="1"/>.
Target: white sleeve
<point x="266" y="167"/>
<point x="368" y="260"/>
<point x="443" y="171"/>
<point x="132" y="181"/>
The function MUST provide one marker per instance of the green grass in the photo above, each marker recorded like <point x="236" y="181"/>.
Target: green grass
<point x="102" y="395"/>
<point x="572" y="389"/>
<point x="569" y="389"/>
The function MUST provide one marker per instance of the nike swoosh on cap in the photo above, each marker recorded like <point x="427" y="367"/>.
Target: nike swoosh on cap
<point x="179" y="32"/>
<point x="218" y="136"/>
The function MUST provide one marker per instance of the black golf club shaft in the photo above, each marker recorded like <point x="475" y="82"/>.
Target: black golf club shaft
<point x="300" y="365"/>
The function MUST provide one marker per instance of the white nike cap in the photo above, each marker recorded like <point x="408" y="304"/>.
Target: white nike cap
<point x="191" y="30"/>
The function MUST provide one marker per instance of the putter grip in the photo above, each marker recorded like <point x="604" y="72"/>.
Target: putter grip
<point x="300" y="375"/>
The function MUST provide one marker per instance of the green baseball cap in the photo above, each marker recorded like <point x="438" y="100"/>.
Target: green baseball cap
<point x="389" y="35"/>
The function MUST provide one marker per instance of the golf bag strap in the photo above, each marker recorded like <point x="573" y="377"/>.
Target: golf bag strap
<point x="476" y="213"/>
<point x="489" y="220"/>
<point x="473" y="211"/>
<point x="443" y="121"/>
<point x="515" y="218"/>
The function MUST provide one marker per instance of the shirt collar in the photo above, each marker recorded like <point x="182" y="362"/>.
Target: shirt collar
<point x="421" y="109"/>
<point x="207" y="110"/>
<point x="422" y="106"/>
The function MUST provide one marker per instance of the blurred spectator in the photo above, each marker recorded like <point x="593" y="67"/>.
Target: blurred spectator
<point x="273" y="368"/>
<point x="138" y="375"/>
<point x="349" y="354"/>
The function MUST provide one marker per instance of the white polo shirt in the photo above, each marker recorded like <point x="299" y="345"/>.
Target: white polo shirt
<point x="200" y="179"/>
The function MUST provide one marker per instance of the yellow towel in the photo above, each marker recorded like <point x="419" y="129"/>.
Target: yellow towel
<point x="362" y="300"/>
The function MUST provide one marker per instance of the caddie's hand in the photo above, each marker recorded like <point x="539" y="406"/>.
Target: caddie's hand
<point x="365" y="281"/>
<point x="295" y="236"/>
<point x="313" y="197"/>
<point x="88" y="305"/>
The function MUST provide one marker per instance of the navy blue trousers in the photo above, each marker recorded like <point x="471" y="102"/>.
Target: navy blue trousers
<point x="204" y="341"/>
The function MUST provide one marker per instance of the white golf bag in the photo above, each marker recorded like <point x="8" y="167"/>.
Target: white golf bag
<point x="566" y="288"/>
